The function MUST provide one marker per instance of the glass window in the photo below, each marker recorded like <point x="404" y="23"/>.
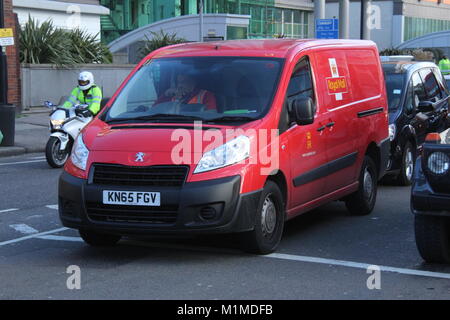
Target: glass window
<point x="300" y="84"/>
<point x="431" y="85"/>
<point x="394" y="87"/>
<point x="203" y="88"/>
<point x="418" y="89"/>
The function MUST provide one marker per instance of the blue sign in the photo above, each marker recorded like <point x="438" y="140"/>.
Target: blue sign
<point x="327" y="28"/>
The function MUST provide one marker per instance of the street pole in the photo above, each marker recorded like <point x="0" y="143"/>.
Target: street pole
<point x="365" y="31"/>
<point x="344" y="19"/>
<point x="3" y="65"/>
<point x="201" y="20"/>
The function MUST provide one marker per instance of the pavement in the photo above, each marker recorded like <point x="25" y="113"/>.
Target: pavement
<point x="31" y="133"/>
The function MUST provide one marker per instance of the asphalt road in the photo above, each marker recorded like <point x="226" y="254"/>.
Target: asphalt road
<point x="323" y="255"/>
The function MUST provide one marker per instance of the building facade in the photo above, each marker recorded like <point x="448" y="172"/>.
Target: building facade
<point x="290" y="18"/>
<point x="396" y="21"/>
<point x="66" y="14"/>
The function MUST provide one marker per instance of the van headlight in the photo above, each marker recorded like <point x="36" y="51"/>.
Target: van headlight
<point x="80" y="153"/>
<point x="392" y="131"/>
<point x="229" y="153"/>
<point x="438" y="163"/>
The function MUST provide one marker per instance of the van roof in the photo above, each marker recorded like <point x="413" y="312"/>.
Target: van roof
<point x="277" y="48"/>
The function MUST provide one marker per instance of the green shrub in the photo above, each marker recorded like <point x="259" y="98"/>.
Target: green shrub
<point x="45" y="43"/>
<point x="158" y="40"/>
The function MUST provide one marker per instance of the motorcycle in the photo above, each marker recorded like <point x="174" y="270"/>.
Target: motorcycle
<point x="65" y="124"/>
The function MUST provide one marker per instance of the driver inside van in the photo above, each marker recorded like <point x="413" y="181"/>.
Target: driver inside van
<point x="187" y="91"/>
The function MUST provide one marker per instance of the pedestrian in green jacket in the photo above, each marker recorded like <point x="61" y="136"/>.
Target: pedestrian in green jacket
<point x="444" y="65"/>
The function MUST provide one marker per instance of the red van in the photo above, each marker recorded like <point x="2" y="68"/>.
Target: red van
<point x="231" y="137"/>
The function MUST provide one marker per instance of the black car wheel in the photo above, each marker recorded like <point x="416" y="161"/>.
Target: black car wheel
<point x="433" y="238"/>
<point x="407" y="166"/>
<point x="269" y="222"/>
<point x="363" y="200"/>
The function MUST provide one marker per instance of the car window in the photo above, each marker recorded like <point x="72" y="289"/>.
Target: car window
<point x="394" y="88"/>
<point x="442" y="83"/>
<point x="431" y="85"/>
<point x="418" y="89"/>
<point x="300" y="84"/>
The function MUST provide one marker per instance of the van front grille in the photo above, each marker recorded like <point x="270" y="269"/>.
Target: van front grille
<point x="157" y="176"/>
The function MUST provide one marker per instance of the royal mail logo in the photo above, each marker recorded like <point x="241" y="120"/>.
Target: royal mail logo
<point x="337" y="85"/>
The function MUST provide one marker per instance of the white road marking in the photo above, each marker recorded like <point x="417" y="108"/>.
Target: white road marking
<point x="61" y="238"/>
<point x="4" y="243"/>
<point x="351" y="264"/>
<point x="20" y="162"/>
<point x="23" y="228"/>
<point x="37" y="158"/>
<point x="281" y="256"/>
<point x="8" y="210"/>
<point x="52" y="206"/>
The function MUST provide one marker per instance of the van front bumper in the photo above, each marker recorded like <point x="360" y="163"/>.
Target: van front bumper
<point x="211" y="206"/>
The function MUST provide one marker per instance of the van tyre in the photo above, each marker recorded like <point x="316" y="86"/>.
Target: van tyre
<point x="362" y="201"/>
<point x="433" y="238"/>
<point x="269" y="222"/>
<point x="55" y="157"/>
<point x="96" y="239"/>
<point x="405" y="176"/>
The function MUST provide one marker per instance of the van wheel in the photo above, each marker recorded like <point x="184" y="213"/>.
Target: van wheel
<point x="96" y="239"/>
<point x="407" y="167"/>
<point x="269" y="222"/>
<point x="432" y="238"/>
<point x="362" y="201"/>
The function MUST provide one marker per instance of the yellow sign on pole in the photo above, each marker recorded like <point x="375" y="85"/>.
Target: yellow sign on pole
<point x="6" y="37"/>
<point x="6" y="33"/>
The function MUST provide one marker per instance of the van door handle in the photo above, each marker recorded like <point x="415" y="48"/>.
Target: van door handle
<point x="321" y="128"/>
<point x="330" y="124"/>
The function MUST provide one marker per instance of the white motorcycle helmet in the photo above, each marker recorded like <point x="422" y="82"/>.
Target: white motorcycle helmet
<point x="85" y="80"/>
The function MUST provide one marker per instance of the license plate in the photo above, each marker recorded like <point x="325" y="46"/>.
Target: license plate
<point x="132" y="198"/>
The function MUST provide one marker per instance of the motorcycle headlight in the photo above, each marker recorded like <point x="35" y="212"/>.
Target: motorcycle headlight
<point x="229" y="153"/>
<point x="80" y="153"/>
<point x="438" y="163"/>
<point x="57" y="123"/>
<point x="392" y="131"/>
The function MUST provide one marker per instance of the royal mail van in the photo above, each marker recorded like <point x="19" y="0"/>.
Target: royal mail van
<point x="231" y="137"/>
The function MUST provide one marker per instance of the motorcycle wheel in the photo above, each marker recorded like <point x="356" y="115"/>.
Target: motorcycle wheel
<point x="55" y="157"/>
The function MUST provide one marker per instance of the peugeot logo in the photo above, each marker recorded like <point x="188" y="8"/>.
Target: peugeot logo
<point x="139" y="157"/>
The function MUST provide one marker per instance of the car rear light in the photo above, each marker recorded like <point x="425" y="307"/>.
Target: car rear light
<point x="433" y="137"/>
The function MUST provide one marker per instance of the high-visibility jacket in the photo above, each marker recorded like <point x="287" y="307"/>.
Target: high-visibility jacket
<point x="202" y="97"/>
<point x="444" y="65"/>
<point x="92" y="97"/>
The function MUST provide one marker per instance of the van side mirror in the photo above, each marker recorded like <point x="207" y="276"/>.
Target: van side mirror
<point x="303" y="110"/>
<point x="425" y="106"/>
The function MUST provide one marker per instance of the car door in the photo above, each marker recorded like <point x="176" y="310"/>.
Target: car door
<point x="437" y="97"/>
<point x="306" y="144"/>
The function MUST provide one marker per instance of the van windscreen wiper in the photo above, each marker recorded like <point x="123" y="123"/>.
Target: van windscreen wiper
<point x="158" y="117"/>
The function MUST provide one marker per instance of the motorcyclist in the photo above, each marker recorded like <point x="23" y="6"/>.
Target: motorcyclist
<point x="85" y="93"/>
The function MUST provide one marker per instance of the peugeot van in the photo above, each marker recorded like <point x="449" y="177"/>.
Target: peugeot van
<point x="231" y="137"/>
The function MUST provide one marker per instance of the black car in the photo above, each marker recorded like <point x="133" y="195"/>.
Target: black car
<point x="418" y="100"/>
<point x="430" y="200"/>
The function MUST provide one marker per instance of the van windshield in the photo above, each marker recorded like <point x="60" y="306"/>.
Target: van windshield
<point x="213" y="89"/>
<point x="395" y="83"/>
